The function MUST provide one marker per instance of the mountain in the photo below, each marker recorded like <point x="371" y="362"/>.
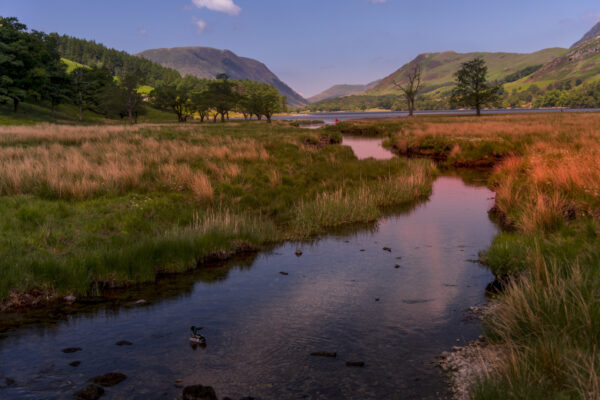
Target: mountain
<point x="591" y="34"/>
<point x="206" y="62"/>
<point x="438" y="69"/>
<point x="342" y="91"/>
<point x="580" y="64"/>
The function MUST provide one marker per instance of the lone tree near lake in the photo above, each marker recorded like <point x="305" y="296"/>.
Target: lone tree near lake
<point x="472" y="89"/>
<point x="411" y="88"/>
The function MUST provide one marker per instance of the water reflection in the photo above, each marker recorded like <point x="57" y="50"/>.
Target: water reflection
<point x="261" y="326"/>
<point x="364" y="148"/>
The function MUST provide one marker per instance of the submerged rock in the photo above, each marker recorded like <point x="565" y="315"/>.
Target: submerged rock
<point x="199" y="392"/>
<point x="8" y="382"/>
<point x="69" y="350"/>
<point x="283" y="273"/>
<point x="110" y="379"/>
<point x="124" y="343"/>
<point x="298" y="252"/>
<point x="355" y="364"/>
<point x="90" y="392"/>
<point x="75" y="363"/>
<point x="323" y="354"/>
<point x="387" y="249"/>
<point x="397" y="266"/>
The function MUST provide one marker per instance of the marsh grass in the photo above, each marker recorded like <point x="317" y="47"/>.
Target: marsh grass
<point x="89" y="207"/>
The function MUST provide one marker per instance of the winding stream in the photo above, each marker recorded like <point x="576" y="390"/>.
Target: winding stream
<point x="396" y="311"/>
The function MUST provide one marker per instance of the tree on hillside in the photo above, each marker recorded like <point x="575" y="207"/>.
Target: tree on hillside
<point x="472" y="89"/>
<point x="57" y="86"/>
<point x="89" y="87"/>
<point x="128" y="92"/>
<point x="21" y="68"/>
<point x="411" y="87"/>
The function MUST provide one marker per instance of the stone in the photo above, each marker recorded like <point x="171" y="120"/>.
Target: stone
<point x="124" y="343"/>
<point x="110" y="379"/>
<point x="355" y="364"/>
<point x="397" y="266"/>
<point x="70" y="350"/>
<point x="70" y="298"/>
<point x="387" y="249"/>
<point x="323" y="354"/>
<point x="298" y="252"/>
<point x="283" y="273"/>
<point x="199" y="392"/>
<point x="90" y="392"/>
<point x="75" y="363"/>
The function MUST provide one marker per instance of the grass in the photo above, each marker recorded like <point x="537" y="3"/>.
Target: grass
<point x="547" y="183"/>
<point x="83" y="208"/>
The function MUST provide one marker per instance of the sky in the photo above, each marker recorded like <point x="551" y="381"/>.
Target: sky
<point x="314" y="44"/>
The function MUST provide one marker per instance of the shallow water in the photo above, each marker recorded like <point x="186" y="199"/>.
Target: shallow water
<point x="365" y="147"/>
<point x="261" y="326"/>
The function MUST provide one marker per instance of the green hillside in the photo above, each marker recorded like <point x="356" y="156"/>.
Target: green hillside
<point x="206" y="62"/>
<point x="341" y="91"/>
<point x="438" y="68"/>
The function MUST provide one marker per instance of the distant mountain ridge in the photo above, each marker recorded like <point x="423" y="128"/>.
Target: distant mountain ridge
<point x="341" y="91"/>
<point x="207" y="62"/>
<point x="438" y="68"/>
<point x="591" y="34"/>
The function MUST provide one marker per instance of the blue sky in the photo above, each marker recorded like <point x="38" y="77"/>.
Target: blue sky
<point x="313" y="44"/>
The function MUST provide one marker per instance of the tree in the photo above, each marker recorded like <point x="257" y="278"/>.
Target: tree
<point x="57" y="86"/>
<point x="175" y="96"/>
<point x="269" y="100"/>
<point x="128" y="91"/>
<point x="222" y="96"/>
<point x="89" y="87"/>
<point x="472" y="89"/>
<point x="20" y="61"/>
<point x="411" y="87"/>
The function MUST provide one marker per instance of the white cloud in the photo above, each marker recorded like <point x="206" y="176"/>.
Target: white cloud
<point x="200" y="26"/>
<point x="224" y="6"/>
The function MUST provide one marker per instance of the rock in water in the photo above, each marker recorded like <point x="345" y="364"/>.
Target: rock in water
<point x="355" y="363"/>
<point x="75" y="363"/>
<point x="71" y="350"/>
<point x="387" y="249"/>
<point x="110" y="379"/>
<point x="283" y="273"/>
<point x="298" y="252"/>
<point x="199" y="392"/>
<point x="90" y="392"/>
<point x="323" y="354"/>
<point x="124" y="343"/>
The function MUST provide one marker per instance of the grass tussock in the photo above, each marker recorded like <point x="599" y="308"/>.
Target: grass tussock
<point x="83" y="208"/>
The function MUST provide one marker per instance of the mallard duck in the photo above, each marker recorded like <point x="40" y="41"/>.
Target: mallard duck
<point x="196" y="336"/>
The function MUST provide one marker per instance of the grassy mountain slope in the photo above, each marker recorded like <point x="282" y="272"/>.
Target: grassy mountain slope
<point x="439" y="68"/>
<point x="206" y="62"/>
<point x="342" y="91"/>
<point x="579" y="65"/>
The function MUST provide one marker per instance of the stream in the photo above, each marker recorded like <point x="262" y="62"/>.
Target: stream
<point x="395" y="310"/>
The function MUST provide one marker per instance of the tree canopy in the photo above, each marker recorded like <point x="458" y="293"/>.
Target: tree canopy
<point x="472" y="89"/>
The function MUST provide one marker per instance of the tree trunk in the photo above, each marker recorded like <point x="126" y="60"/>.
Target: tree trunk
<point x="215" y="118"/>
<point x="80" y="112"/>
<point x="15" y="105"/>
<point x="130" y="115"/>
<point x="222" y="117"/>
<point x="478" y="110"/>
<point x="53" y="108"/>
<point x="268" y="118"/>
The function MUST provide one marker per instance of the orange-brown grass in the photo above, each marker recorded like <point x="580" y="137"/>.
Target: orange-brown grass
<point x="81" y="162"/>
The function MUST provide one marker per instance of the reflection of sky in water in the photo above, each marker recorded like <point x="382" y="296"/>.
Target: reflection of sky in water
<point x="262" y="326"/>
<point x="367" y="148"/>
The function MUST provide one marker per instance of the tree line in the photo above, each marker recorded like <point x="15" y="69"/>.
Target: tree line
<point x="32" y="70"/>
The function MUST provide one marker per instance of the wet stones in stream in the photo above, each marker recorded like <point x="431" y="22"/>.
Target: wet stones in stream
<point x="199" y="392"/>
<point x="90" y="392"/>
<point x="8" y="382"/>
<point x="326" y="354"/>
<point x="355" y="364"/>
<point x="110" y="379"/>
<point x="70" y="350"/>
